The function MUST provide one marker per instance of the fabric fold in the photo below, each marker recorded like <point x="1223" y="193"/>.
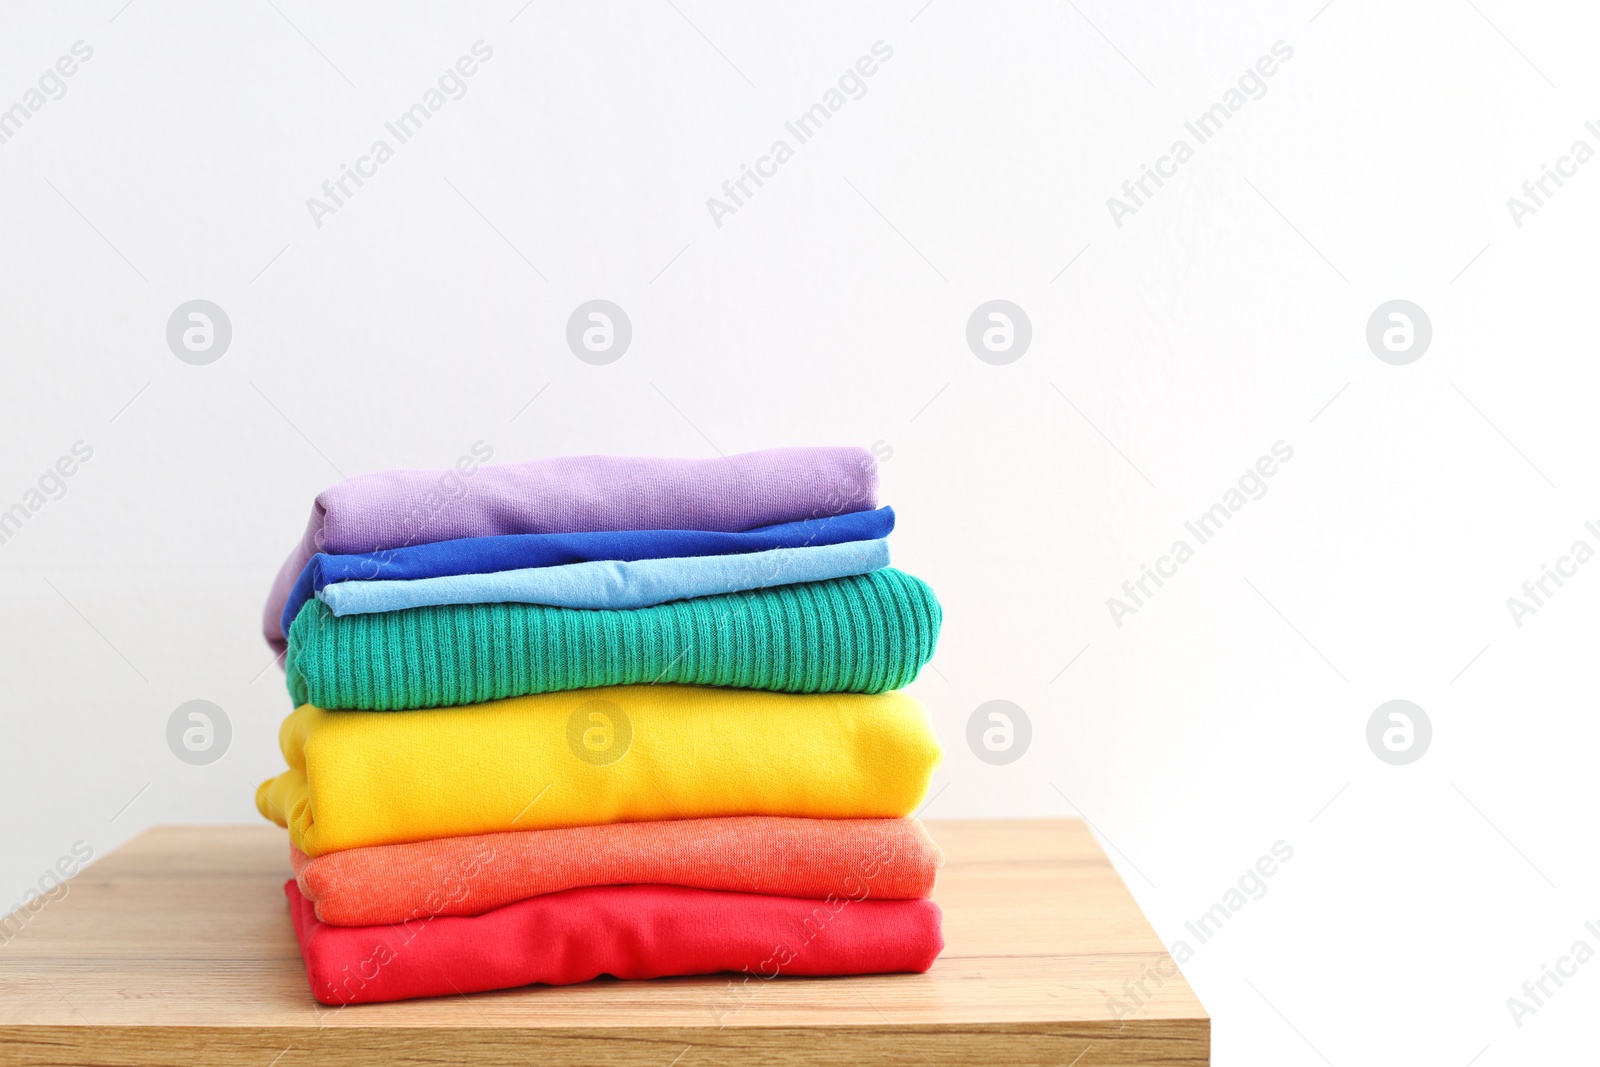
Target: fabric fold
<point x="569" y="494"/>
<point x="864" y="634"/>
<point x="613" y="584"/>
<point x="584" y="758"/>
<point x="507" y="552"/>
<point x="638" y="931"/>
<point x="886" y="859"/>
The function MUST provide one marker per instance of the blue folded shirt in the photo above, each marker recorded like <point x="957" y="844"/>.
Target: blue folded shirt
<point x="614" y="584"/>
<point x="481" y="555"/>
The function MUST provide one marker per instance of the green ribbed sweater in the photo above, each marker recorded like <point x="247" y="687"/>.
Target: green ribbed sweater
<point x="865" y="634"/>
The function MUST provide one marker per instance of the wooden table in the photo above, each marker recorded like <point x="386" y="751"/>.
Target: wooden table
<point x="177" y="948"/>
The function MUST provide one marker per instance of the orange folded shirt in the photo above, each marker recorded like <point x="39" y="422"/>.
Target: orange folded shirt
<point x="889" y="859"/>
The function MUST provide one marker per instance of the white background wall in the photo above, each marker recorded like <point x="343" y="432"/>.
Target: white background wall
<point x="1227" y="314"/>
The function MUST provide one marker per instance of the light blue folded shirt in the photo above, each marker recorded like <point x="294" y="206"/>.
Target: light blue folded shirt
<point x="614" y="583"/>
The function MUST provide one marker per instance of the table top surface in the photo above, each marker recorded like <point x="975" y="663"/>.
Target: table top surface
<point x="186" y="926"/>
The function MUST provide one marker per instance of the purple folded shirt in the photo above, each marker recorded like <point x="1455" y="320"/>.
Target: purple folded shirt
<point x="576" y="494"/>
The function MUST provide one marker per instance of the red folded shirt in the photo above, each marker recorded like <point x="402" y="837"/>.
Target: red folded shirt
<point x="630" y="931"/>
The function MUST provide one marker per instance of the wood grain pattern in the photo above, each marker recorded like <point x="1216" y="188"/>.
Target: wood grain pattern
<point x="178" y="948"/>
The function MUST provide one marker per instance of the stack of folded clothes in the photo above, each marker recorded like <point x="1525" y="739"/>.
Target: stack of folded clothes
<point x="603" y="716"/>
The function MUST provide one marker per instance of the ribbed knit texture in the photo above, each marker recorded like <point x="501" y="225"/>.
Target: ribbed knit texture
<point x="864" y="634"/>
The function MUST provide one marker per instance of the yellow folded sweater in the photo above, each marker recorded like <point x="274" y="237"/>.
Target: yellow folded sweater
<point x="590" y="756"/>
